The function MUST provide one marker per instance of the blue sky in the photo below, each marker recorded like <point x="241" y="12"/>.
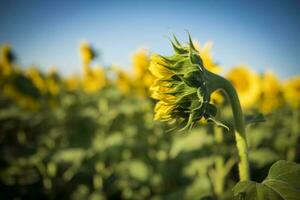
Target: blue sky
<point x="262" y="34"/>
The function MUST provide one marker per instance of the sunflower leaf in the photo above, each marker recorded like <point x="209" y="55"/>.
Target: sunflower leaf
<point x="282" y="183"/>
<point x="256" y="118"/>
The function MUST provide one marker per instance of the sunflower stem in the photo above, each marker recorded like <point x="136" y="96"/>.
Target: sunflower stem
<point x="218" y="82"/>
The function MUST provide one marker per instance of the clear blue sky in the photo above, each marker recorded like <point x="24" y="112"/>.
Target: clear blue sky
<point x="262" y="34"/>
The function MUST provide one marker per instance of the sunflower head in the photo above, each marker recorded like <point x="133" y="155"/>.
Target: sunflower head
<point x="87" y="53"/>
<point x="37" y="78"/>
<point x="247" y="85"/>
<point x="7" y="57"/>
<point x="271" y="97"/>
<point x="142" y="78"/>
<point x="181" y="86"/>
<point x="291" y="92"/>
<point x="95" y="80"/>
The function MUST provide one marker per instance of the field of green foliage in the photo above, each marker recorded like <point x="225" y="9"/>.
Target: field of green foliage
<point x="93" y="135"/>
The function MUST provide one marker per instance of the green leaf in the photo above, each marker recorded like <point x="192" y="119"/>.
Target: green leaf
<point x="282" y="183"/>
<point x="256" y="118"/>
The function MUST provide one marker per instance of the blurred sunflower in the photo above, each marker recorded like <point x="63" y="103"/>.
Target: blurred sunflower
<point x="123" y="80"/>
<point x="37" y="78"/>
<point x="94" y="80"/>
<point x="140" y="62"/>
<point x="71" y="83"/>
<point x="207" y="57"/>
<point x="142" y="76"/>
<point x="271" y="92"/>
<point x="21" y="99"/>
<point x="291" y="92"/>
<point x="87" y="53"/>
<point x="52" y="81"/>
<point x="6" y="60"/>
<point x="247" y="84"/>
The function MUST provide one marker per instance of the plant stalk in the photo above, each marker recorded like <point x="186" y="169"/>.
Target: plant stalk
<point x="218" y="82"/>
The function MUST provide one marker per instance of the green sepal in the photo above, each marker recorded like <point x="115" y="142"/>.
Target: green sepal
<point x="182" y="66"/>
<point x="178" y="49"/>
<point x="176" y="40"/>
<point x="218" y="123"/>
<point x="196" y="59"/>
<point x="194" y="79"/>
<point x="191" y="44"/>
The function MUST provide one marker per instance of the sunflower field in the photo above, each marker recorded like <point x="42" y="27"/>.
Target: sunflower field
<point x="108" y="133"/>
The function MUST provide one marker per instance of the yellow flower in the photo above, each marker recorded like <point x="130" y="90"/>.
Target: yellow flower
<point x="158" y="68"/>
<point x="86" y="52"/>
<point x="271" y="92"/>
<point x="123" y="81"/>
<point x="72" y="82"/>
<point x="94" y="80"/>
<point x="52" y="81"/>
<point x="181" y="86"/>
<point x="6" y="60"/>
<point x="216" y="98"/>
<point x="247" y="84"/>
<point x="140" y="62"/>
<point x="37" y="78"/>
<point x="291" y="92"/>
<point x="22" y="100"/>
<point x="142" y="78"/>
<point x="159" y="90"/>
<point x="163" y="111"/>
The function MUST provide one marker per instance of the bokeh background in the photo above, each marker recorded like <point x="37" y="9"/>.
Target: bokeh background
<point x="76" y="116"/>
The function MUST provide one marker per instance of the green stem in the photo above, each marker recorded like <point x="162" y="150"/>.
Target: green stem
<point x="218" y="82"/>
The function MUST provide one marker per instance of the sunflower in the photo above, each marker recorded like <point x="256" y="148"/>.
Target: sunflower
<point x="53" y="82"/>
<point x="87" y="53"/>
<point x="24" y="101"/>
<point x="180" y="86"/>
<point x="291" y="92"/>
<point x="94" y="80"/>
<point x="6" y="60"/>
<point x="123" y="80"/>
<point x="72" y="82"/>
<point x="37" y="78"/>
<point x="140" y="63"/>
<point x="141" y="74"/>
<point x="247" y="84"/>
<point x="271" y="93"/>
